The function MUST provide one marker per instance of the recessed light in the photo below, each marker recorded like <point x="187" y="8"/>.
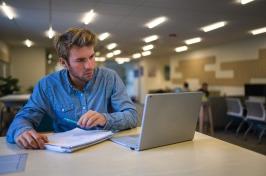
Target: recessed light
<point x="156" y="22"/>
<point x="136" y="55"/>
<point x="111" y="46"/>
<point x="50" y="33"/>
<point x="150" y="38"/>
<point x="193" y="40"/>
<point x="258" y="31"/>
<point x="117" y="52"/>
<point x="8" y="11"/>
<point x="103" y="36"/>
<point x="181" y="49"/>
<point x="147" y="47"/>
<point x="146" y="53"/>
<point x="109" y="55"/>
<point x="243" y="2"/>
<point x="100" y="59"/>
<point x="214" y="26"/>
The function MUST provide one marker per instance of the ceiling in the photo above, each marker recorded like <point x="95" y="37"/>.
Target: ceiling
<point x="126" y="19"/>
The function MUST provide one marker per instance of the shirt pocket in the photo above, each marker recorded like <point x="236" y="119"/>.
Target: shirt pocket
<point x="65" y="111"/>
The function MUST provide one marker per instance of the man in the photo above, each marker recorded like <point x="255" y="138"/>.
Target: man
<point x="79" y="95"/>
<point x="204" y="89"/>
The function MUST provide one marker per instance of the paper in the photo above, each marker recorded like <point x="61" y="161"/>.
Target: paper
<point x="12" y="163"/>
<point x="75" y="139"/>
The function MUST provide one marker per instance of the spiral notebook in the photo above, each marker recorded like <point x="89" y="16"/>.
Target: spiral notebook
<point x="76" y="139"/>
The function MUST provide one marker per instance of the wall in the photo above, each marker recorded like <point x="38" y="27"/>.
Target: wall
<point x="4" y="52"/>
<point x="226" y="67"/>
<point x="28" y="65"/>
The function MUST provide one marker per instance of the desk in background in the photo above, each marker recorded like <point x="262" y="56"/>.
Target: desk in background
<point x="204" y="156"/>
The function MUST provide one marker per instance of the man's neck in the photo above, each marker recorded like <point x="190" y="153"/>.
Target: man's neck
<point x="78" y="84"/>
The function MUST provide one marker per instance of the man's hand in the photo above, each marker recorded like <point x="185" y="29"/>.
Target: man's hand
<point x="91" y="119"/>
<point x="31" y="140"/>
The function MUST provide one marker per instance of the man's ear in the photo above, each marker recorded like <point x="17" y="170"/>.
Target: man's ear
<point x="63" y="62"/>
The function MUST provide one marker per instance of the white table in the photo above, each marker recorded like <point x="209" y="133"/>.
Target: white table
<point x="204" y="156"/>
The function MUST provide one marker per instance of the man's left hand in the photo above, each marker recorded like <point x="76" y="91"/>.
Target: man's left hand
<point x="91" y="119"/>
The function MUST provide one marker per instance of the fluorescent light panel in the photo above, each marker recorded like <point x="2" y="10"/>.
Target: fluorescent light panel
<point x="193" y="40"/>
<point x="136" y="55"/>
<point x="109" y="55"/>
<point x="88" y="17"/>
<point x="258" y="31"/>
<point x="103" y="36"/>
<point x="100" y="59"/>
<point x="117" y="52"/>
<point x="156" y="22"/>
<point x="150" y="38"/>
<point x="213" y="26"/>
<point x="147" y="47"/>
<point x="8" y="11"/>
<point x="146" y="53"/>
<point x="121" y="60"/>
<point x="243" y="2"/>
<point x="111" y="46"/>
<point x="181" y="49"/>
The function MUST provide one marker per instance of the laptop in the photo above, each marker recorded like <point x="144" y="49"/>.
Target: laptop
<point x="167" y="119"/>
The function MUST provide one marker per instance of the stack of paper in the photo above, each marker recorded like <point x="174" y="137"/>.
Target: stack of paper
<point x="76" y="139"/>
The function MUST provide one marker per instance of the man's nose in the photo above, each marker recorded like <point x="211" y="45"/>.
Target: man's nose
<point x="89" y="63"/>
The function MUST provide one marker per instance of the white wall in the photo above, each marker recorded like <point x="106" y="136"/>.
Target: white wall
<point x="241" y="50"/>
<point x="4" y="52"/>
<point x="28" y="65"/>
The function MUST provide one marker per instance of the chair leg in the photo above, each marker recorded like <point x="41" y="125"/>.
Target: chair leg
<point x="247" y="131"/>
<point x="239" y="127"/>
<point x="261" y="135"/>
<point x="228" y="125"/>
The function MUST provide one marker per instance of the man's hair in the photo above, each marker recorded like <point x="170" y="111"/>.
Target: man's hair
<point x="79" y="37"/>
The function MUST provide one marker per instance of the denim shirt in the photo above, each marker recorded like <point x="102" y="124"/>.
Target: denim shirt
<point x="55" y="96"/>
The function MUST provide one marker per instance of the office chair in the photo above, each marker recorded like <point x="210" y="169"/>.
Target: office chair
<point x="256" y="116"/>
<point x="236" y="113"/>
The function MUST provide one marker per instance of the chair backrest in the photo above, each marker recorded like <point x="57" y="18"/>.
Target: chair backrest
<point x="234" y="107"/>
<point x="255" y="111"/>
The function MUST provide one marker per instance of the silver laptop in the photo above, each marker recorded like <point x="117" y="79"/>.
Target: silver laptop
<point x="167" y="119"/>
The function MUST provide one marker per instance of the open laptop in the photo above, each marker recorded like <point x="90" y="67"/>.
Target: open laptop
<point x="167" y="119"/>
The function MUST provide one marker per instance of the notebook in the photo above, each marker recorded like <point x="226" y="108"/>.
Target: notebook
<point x="167" y="119"/>
<point x="76" y="139"/>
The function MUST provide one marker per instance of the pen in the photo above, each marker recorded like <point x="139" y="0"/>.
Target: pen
<point x="71" y="121"/>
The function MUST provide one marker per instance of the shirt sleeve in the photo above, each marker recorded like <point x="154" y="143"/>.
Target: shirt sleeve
<point x="30" y="116"/>
<point x="124" y="115"/>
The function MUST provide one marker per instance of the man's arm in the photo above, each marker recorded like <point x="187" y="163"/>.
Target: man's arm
<point x="30" y="115"/>
<point x="124" y="114"/>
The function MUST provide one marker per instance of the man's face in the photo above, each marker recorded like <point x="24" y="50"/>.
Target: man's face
<point x="81" y="63"/>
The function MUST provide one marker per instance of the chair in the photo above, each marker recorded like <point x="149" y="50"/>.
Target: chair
<point x="256" y="116"/>
<point x="235" y="111"/>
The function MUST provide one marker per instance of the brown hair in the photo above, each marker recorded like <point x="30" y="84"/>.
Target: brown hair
<point x="73" y="37"/>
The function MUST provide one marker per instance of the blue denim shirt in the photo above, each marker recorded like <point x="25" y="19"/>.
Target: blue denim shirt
<point x="55" y="96"/>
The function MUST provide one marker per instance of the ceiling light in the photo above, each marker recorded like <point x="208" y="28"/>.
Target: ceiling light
<point x="111" y="46"/>
<point x="109" y="55"/>
<point x="181" y="49"/>
<point x="103" y="36"/>
<point x="150" y="38"/>
<point x="117" y="52"/>
<point x="156" y="22"/>
<point x="121" y="60"/>
<point x="88" y="17"/>
<point x="146" y="53"/>
<point x="136" y="55"/>
<point x="213" y="26"/>
<point x="243" y="2"/>
<point x="147" y="47"/>
<point x="50" y="33"/>
<point x="100" y="59"/>
<point x="28" y="43"/>
<point x="258" y="31"/>
<point x="193" y="40"/>
<point x="8" y="11"/>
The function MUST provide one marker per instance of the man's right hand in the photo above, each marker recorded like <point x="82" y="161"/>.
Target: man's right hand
<point x="31" y="140"/>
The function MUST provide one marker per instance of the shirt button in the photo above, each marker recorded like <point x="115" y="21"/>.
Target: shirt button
<point x="63" y="110"/>
<point x="81" y="94"/>
<point x="84" y="107"/>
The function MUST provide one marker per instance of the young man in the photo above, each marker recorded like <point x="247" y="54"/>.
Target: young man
<point x="94" y="98"/>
